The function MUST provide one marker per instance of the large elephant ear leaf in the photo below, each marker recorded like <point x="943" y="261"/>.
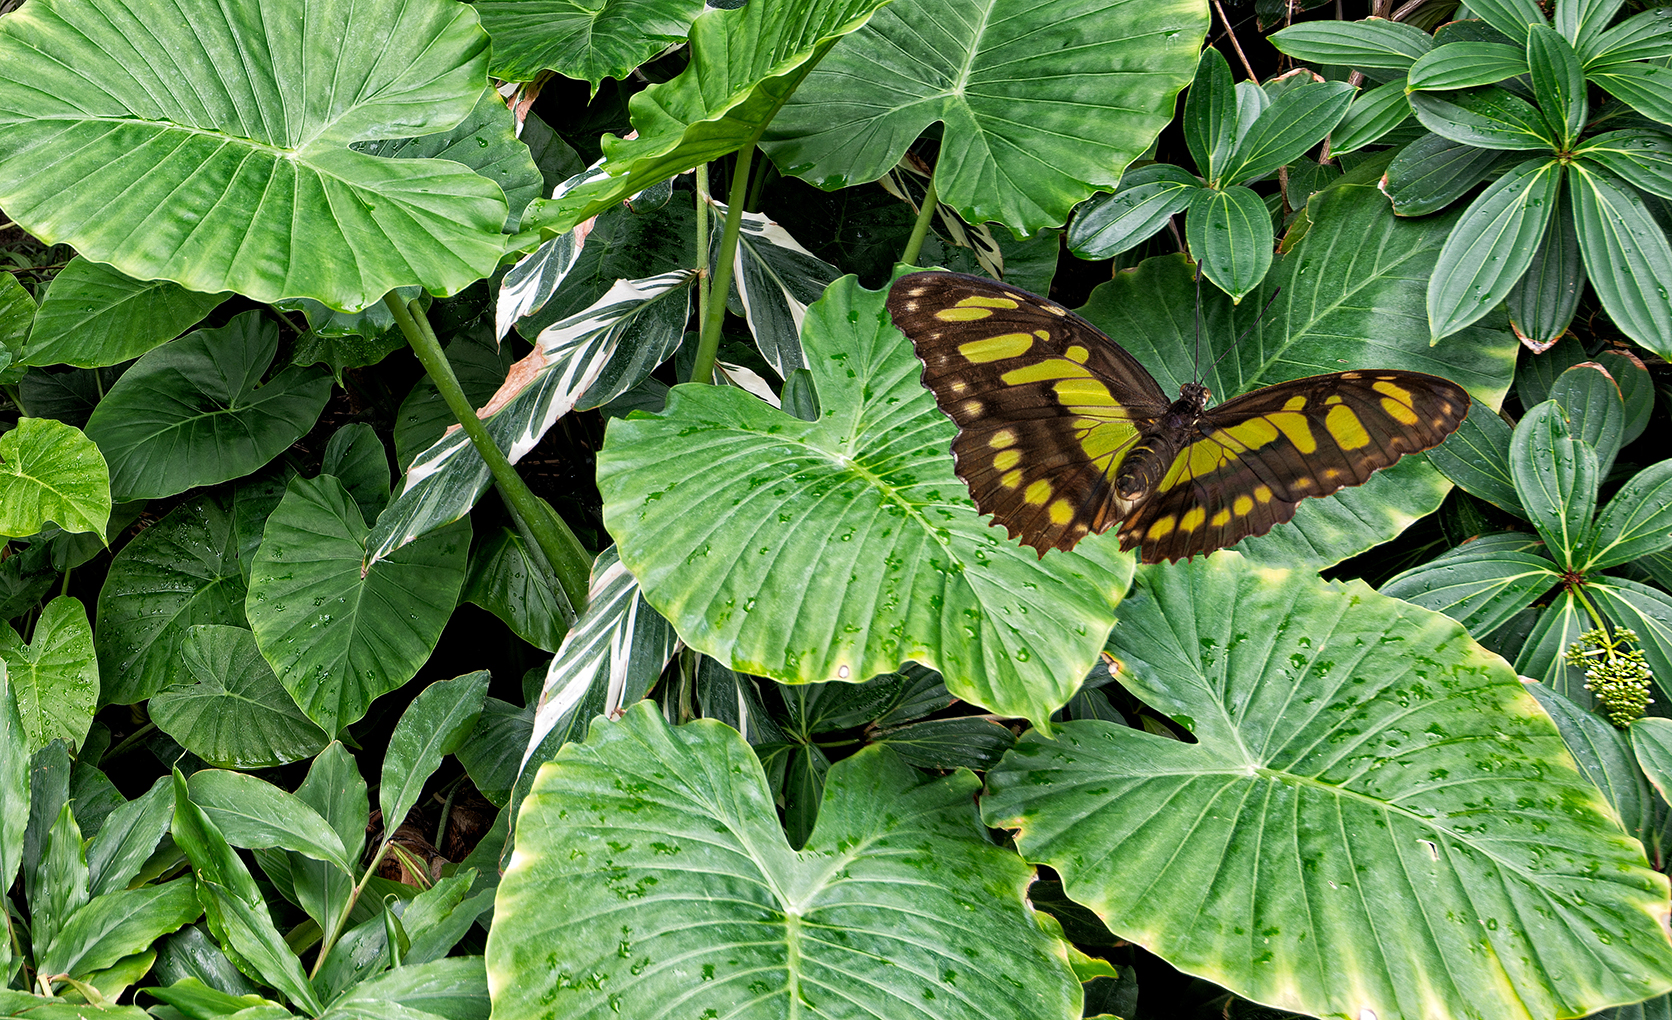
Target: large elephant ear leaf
<point x="1043" y="103"/>
<point x="836" y="549"/>
<point x="1372" y="811"/>
<point x="212" y="147"/>
<point x="651" y="869"/>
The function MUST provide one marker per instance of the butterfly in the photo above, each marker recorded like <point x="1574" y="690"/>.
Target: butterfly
<point x="1062" y="434"/>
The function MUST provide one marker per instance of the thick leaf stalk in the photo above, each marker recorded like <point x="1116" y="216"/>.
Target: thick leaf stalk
<point x="920" y="229"/>
<point x="562" y="549"/>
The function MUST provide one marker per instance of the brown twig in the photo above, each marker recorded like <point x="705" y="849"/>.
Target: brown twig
<point x="1235" y="45"/>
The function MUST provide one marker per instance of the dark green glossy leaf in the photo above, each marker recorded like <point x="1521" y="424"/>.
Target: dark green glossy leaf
<point x="510" y="579"/>
<point x="1643" y="36"/>
<point x="55" y="677"/>
<point x="1636" y="522"/>
<point x="1491" y="118"/>
<point x="1230" y="234"/>
<point x="433" y="726"/>
<point x="356" y="457"/>
<point x="1480" y="584"/>
<point x="1492" y="245"/>
<point x="1511" y="17"/>
<point x="336" y="636"/>
<point x="1558" y="625"/>
<point x="1476" y="457"/>
<point x="1410" y="729"/>
<point x="118" y="923"/>
<point x="589" y="41"/>
<point x="1373" y="114"/>
<point x="1643" y="158"/>
<point x="1626" y="255"/>
<point x="1373" y="42"/>
<point x="1536" y="373"/>
<point x="1595" y="410"/>
<point x="969" y="742"/>
<point x="230" y="710"/>
<point x="1645" y="88"/>
<point x="335" y="789"/>
<point x="196" y="411"/>
<point x="1463" y="65"/>
<point x="874" y="917"/>
<point x="1580" y="22"/>
<point x="493" y="752"/>
<point x="1294" y="122"/>
<point x="1635" y="386"/>
<point x="1555" y="475"/>
<point x="1542" y="302"/>
<point x="1148" y="197"/>
<point x="1558" y="82"/>
<point x="254" y="814"/>
<point x="1210" y="114"/>
<point x="1604" y="754"/>
<point x="127" y="838"/>
<point x="1434" y="171"/>
<point x="51" y="472"/>
<point x="96" y="315"/>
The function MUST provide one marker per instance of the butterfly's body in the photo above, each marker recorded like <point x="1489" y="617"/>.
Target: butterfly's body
<point x="1061" y="433"/>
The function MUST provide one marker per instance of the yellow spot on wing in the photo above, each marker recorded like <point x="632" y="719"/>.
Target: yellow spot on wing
<point x="1045" y="371"/>
<point x="1399" y="412"/>
<point x="1294" y="403"/>
<point x="1002" y="438"/>
<point x="1262" y="493"/>
<point x="1393" y="390"/>
<point x="962" y="314"/>
<point x="1011" y="480"/>
<point x="1243" y="505"/>
<point x="973" y="408"/>
<point x="1007" y="459"/>
<point x="1077" y="353"/>
<point x="1345" y="426"/>
<point x="1038" y="492"/>
<point x="1295" y="427"/>
<point x="1087" y="393"/>
<point x="1161" y="528"/>
<point x="995" y="348"/>
<point x="1250" y="435"/>
<point x="1200" y="458"/>
<point x="1221" y="518"/>
<point x="1062" y="511"/>
<point x="1193" y="518"/>
<point x="986" y="301"/>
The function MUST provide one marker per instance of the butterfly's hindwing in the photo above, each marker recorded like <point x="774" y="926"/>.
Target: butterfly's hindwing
<point x="1258" y="455"/>
<point x="1046" y="406"/>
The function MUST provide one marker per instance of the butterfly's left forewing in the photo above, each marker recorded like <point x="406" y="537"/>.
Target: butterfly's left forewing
<point x="1046" y="405"/>
<point x="1255" y="457"/>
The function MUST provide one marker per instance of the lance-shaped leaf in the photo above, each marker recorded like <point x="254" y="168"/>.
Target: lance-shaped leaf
<point x="1373" y="114"/>
<point x="1351" y="296"/>
<point x="1294" y="122"/>
<point x="1434" y="171"/>
<point x="1210" y="114"/>
<point x="434" y="725"/>
<point x="56" y="676"/>
<point x="1626" y="256"/>
<point x="744" y="64"/>
<point x="1558" y="82"/>
<point x="590" y="41"/>
<point x="511" y="579"/>
<point x="583" y="361"/>
<point x="680" y="868"/>
<point x="231" y="709"/>
<point x="609" y="659"/>
<point x="775" y="279"/>
<point x="213" y="149"/>
<point x="50" y="471"/>
<point x="1042" y="104"/>
<point x="1463" y="65"/>
<point x="117" y="924"/>
<point x="1636" y="522"/>
<point x="1230" y="234"/>
<point x="1556" y="478"/>
<point x="339" y="635"/>
<point x="1542" y="302"/>
<point x="1604" y="754"/>
<point x="837" y="549"/>
<point x="1373" y="42"/>
<point x="1492" y="245"/>
<point x="196" y="412"/>
<point x="1644" y="36"/>
<point x="1481" y="583"/>
<point x="1642" y="158"/>
<point x="1595" y="410"/>
<point x="1371" y="812"/>
<point x="1644" y="87"/>
<point x="1148" y="197"/>
<point x="95" y="315"/>
<point x="1558" y="625"/>
<point x="1476" y="457"/>
<point x="1511" y="17"/>
<point x="252" y="813"/>
<point x="1491" y="118"/>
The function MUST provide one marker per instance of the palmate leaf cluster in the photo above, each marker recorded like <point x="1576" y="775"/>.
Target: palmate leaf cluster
<point x="777" y="723"/>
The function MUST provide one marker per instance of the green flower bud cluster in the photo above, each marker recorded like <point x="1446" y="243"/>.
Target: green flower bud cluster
<point x="1618" y="677"/>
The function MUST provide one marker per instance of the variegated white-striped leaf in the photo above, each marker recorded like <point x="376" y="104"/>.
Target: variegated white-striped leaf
<point x="582" y="361"/>
<point x="910" y="184"/>
<point x="610" y="658"/>
<point x="746" y="379"/>
<point x="533" y="281"/>
<point x="776" y="279"/>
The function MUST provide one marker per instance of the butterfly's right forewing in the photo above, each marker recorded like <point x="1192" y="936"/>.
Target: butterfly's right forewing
<point x="1046" y="405"/>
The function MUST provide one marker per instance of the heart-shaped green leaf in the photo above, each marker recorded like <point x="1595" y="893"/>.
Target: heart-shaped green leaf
<point x="586" y="39"/>
<point x="96" y="315"/>
<point x="1371" y="809"/>
<point x="211" y="148"/>
<point x="50" y="471"/>
<point x="651" y="870"/>
<point x="232" y="712"/>
<point x="56" y="675"/>
<point x="837" y="549"/>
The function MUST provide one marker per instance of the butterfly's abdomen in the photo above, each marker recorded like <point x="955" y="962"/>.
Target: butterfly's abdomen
<point x="1148" y="461"/>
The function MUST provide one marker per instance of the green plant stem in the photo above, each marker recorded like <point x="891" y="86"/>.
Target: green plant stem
<point x="128" y="742"/>
<point x="703" y="264"/>
<point x="1596" y="618"/>
<point x="920" y="229"/>
<point x="758" y="185"/>
<point x="329" y="939"/>
<point x="563" y="550"/>
<point x="708" y="345"/>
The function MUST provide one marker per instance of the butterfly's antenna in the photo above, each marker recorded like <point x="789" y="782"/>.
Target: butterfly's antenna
<point x="1198" y="361"/>
<point x="1263" y="310"/>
